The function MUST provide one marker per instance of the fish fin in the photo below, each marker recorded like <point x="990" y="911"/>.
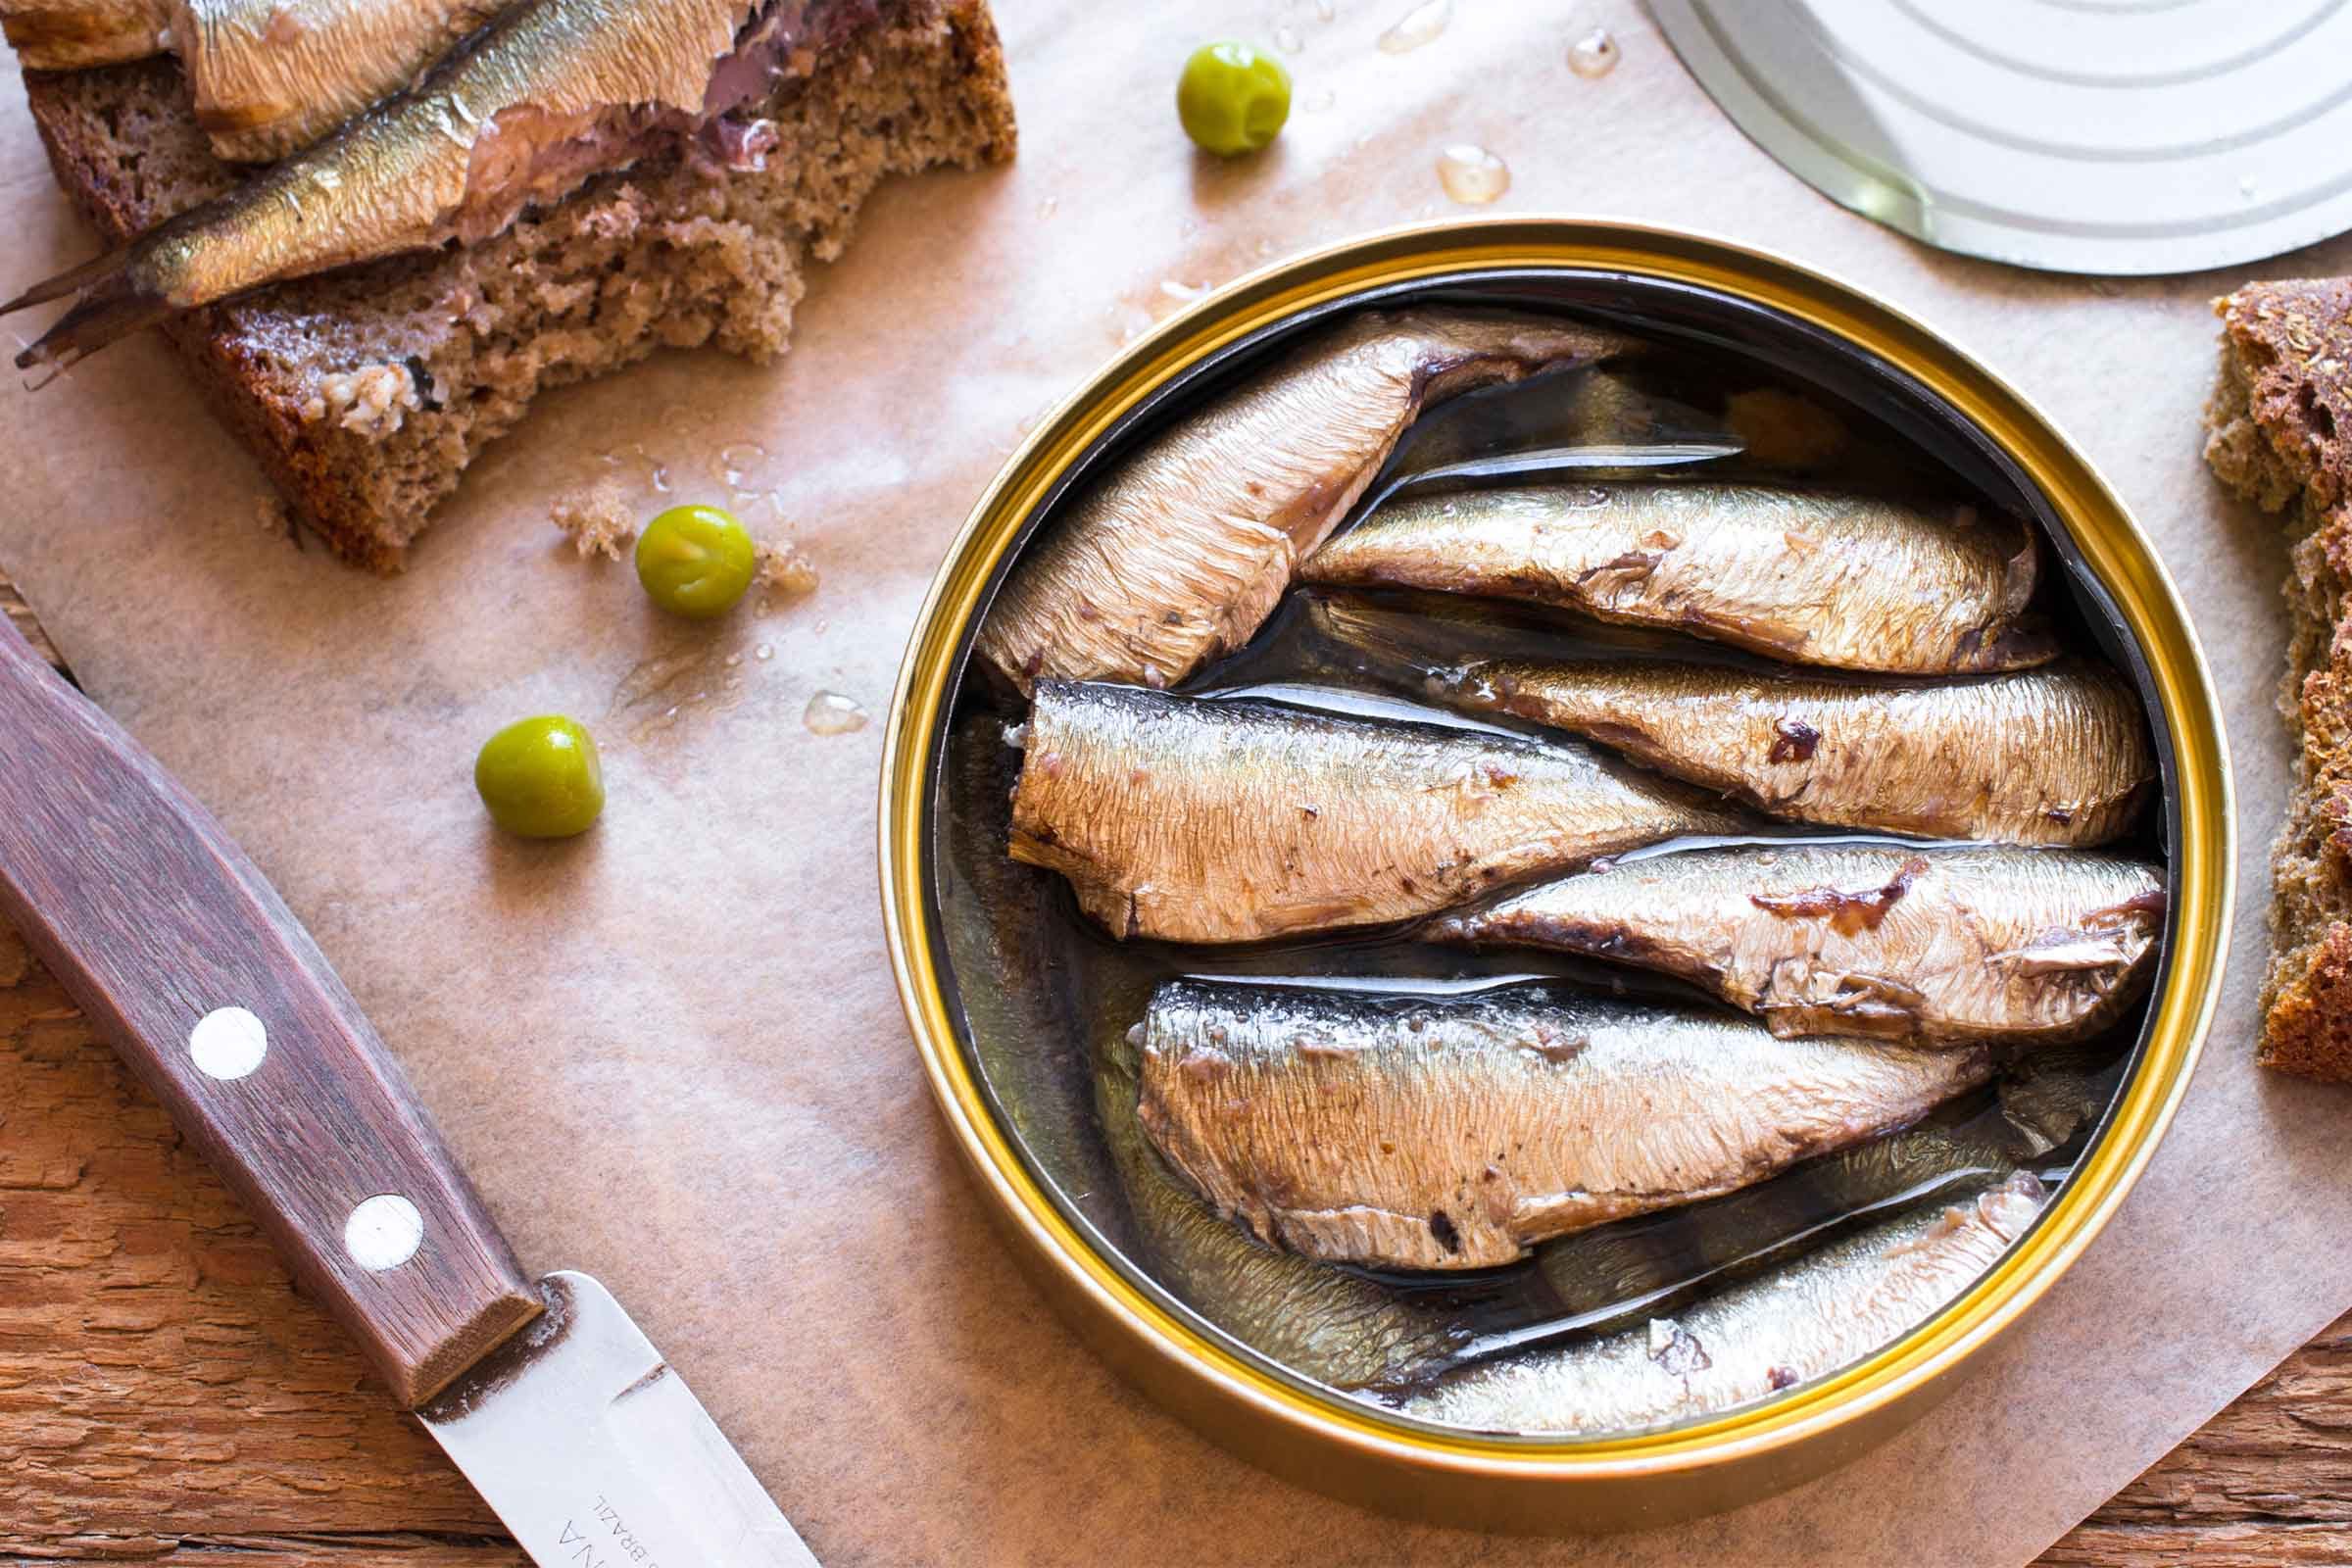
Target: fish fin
<point x="1872" y="1014"/>
<point x="114" y="303"/>
<point x="2079" y="951"/>
<point x="1798" y="1000"/>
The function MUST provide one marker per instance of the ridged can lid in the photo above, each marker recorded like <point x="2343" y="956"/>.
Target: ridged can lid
<point x="2118" y="136"/>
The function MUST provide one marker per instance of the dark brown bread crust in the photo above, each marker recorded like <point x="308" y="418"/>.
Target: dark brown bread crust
<point x="2281" y="434"/>
<point x="364" y="393"/>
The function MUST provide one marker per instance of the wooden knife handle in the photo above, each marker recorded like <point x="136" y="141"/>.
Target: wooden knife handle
<point x="185" y="957"/>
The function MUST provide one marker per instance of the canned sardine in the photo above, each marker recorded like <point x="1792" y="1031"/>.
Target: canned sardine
<point x="1545" y="867"/>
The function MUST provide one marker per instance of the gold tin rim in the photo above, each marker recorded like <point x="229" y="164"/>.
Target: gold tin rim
<point x="1158" y="1341"/>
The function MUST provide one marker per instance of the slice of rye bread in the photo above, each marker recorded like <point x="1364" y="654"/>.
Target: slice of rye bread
<point x="2279" y="432"/>
<point x="364" y="393"/>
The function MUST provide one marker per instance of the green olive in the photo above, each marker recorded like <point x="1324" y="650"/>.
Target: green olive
<point x="540" y="777"/>
<point x="696" y="562"/>
<point x="1232" y="98"/>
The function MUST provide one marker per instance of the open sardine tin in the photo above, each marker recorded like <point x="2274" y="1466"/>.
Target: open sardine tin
<point x="1011" y="997"/>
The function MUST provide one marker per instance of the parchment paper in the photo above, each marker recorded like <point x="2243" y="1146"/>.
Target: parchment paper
<point x="671" y="1051"/>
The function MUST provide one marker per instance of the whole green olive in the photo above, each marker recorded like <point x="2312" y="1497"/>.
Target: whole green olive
<point x="540" y="777"/>
<point x="696" y="562"/>
<point x="1233" y="98"/>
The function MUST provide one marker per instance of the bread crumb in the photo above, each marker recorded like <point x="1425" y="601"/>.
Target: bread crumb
<point x="272" y="513"/>
<point x="784" y="572"/>
<point x="596" y="518"/>
<point x="372" y="402"/>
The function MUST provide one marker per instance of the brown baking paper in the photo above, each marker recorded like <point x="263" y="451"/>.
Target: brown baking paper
<point x="671" y="1052"/>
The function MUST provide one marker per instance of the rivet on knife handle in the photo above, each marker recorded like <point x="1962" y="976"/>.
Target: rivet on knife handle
<point x="186" y="960"/>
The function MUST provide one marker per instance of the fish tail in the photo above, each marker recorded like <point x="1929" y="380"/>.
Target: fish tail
<point x="115" y="300"/>
<point x="70" y="281"/>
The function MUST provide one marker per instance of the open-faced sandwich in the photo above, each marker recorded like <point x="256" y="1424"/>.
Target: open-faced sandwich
<point x="500" y="199"/>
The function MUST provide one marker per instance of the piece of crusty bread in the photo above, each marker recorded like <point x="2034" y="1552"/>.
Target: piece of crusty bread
<point x="2279" y="432"/>
<point x="364" y="393"/>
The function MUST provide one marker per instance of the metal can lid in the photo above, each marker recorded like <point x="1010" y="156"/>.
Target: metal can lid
<point x="2119" y="137"/>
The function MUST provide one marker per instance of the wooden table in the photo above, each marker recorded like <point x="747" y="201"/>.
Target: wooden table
<point x="165" y="1397"/>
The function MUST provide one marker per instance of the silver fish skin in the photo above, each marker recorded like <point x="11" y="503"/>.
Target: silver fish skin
<point x="1183" y="550"/>
<point x="550" y="94"/>
<point x="76" y="35"/>
<point x="1787" y="1327"/>
<point x="1454" y="1135"/>
<point x="1193" y="819"/>
<point x="1599" y="1278"/>
<point x="1808" y="577"/>
<point x="1337" y="1328"/>
<point x="2058" y="755"/>
<point x="1931" y="944"/>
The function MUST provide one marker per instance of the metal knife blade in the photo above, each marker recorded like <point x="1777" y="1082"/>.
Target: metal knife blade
<point x="593" y="1450"/>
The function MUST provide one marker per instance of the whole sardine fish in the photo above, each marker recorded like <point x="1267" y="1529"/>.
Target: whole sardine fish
<point x="1797" y="575"/>
<point x="1455" y="1134"/>
<point x="1797" y="1323"/>
<point x="2056" y="756"/>
<point x="269" y="75"/>
<point x="1195" y="820"/>
<point x="1890" y="941"/>
<point x="1335" y="1327"/>
<point x="1181" y="552"/>
<point x="550" y="94"/>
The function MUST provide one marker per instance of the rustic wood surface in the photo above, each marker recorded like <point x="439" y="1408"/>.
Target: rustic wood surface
<point x="166" y="1396"/>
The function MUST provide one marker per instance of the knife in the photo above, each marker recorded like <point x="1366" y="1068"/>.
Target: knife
<point x="561" y="1412"/>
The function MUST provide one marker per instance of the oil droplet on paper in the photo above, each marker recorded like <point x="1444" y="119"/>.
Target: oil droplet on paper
<point x="1593" y="55"/>
<point x="1288" y="40"/>
<point x="1320" y="101"/>
<point x="1471" y="175"/>
<point x="1325" y="10"/>
<point x="831" y="714"/>
<point x="1177" y="289"/>
<point x="737" y="465"/>
<point x="1417" y="27"/>
<point x="642" y="466"/>
<point x="765" y="652"/>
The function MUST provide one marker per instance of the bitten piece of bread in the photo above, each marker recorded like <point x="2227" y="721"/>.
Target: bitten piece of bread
<point x="364" y="393"/>
<point x="2279" y="432"/>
